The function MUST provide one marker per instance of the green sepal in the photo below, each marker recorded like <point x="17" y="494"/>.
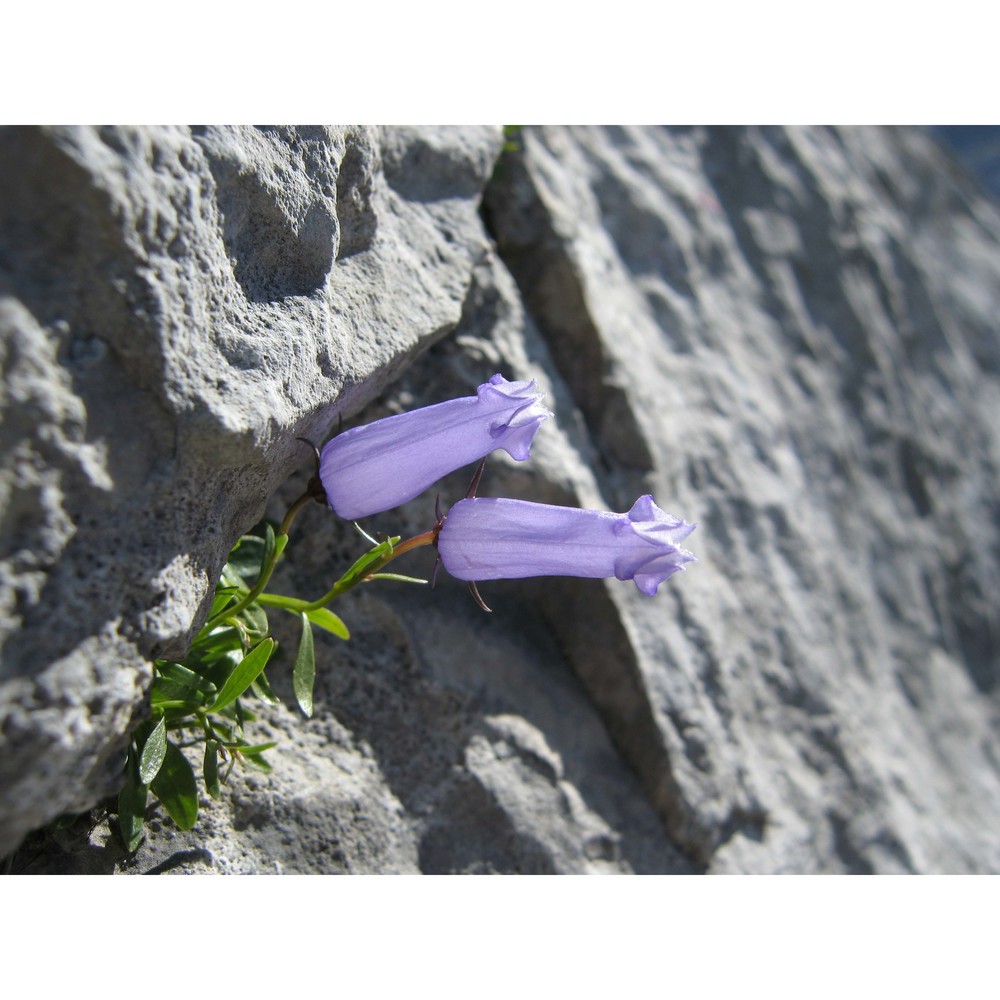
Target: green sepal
<point x="244" y="674"/>
<point x="153" y="752"/>
<point x="326" y="619"/>
<point x="304" y="672"/>
<point x="176" y="788"/>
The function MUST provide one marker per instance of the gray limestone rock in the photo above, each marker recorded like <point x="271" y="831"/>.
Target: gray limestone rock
<point x="787" y="335"/>
<point x="177" y="305"/>
<point x="790" y="336"/>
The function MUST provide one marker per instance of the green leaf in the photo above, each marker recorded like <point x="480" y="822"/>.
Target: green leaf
<point x="210" y="769"/>
<point x="132" y="804"/>
<point x="279" y="545"/>
<point x="258" y="763"/>
<point x="182" y="676"/>
<point x="326" y="619"/>
<point x="176" y="708"/>
<point x="304" y="673"/>
<point x="231" y="579"/>
<point x="220" y="727"/>
<point x="256" y="749"/>
<point x="254" y="617"/>
<point x="368" y="559"/>
<point x="153" y="752"/>
<point x="176" y="788"/>
<point x="245" y="560"/>
<point x="174" y="682"/>
<point x="223" y="597"/>
<point x="220" y="639"/>
<point x="269" y="543"/>
<point x="239" y="715"/>
<point x="244" y="675"/>
<point x="262" y="688"/>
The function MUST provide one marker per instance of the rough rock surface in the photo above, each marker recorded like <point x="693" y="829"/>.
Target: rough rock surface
<point x="176" y="306"/>
<point x="789" y="336"/>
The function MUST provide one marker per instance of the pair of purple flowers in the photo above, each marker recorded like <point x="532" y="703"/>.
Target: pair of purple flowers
<point x="381" y="465"/>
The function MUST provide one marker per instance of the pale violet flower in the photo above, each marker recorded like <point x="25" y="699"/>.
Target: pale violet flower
<point x="485" y="538"/>
<point x="383" y="464"/>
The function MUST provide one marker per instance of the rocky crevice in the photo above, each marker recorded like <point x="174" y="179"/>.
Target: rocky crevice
<point x="787" y="335"/>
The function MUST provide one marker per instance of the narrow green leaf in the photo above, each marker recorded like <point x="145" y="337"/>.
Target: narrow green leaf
<point x="132" y="804"/>
<point x="210" y="769"/>
<point x="219" y="727"/>
<point x="176" y="788"/>
<point x="232" y="580"/>
<point x="268" y="556"/>
<point x="182" y="677"/>
<point x="219" y="639"/>
<point x="245" y="560"/>
<point x="256" y="749"/>
<point x="370" y="557"/>
<point x="175" y="685"/>
<point x="262" y="688"/>
<point x="244" y="675"/>
<point x="186" y="706"/>
<point x="304" y="673"/>
<point x="223" y="597"/>
<point x="153" y="752"/>
<point x="258" y="763"/>
<point x="254" y="618"/>
<point x="326" y="619"/>
<point x="279" y="545"/>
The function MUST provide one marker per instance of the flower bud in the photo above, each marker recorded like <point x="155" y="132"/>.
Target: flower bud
<point x="487" y="538"/>
<point x="384" y="464"/>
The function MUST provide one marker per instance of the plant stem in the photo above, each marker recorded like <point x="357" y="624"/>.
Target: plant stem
<point x="342" y="586"/>
<point x="265" y="571"/>
<point x="286" y="523"/>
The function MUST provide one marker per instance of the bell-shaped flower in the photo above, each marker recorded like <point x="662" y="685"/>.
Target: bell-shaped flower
<point x="485" y="538"/>
<point x="385" y="463"/>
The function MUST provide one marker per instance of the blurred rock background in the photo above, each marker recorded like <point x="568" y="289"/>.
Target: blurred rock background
<point x="786" y="335"/>
<point x="978" y="148"/>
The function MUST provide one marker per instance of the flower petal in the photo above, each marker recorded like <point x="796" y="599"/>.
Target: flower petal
<point x="384" y="464"/>
<point x="487" y="538"/>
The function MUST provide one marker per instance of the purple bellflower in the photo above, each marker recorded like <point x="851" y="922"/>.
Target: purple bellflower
<point x="485" y="538"/>
<point x="383" y="464"/>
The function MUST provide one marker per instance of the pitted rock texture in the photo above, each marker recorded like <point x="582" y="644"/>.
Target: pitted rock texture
<point x="177" y="306"/>
<point x="787" y="335"/>
<point x="791" y="336"/>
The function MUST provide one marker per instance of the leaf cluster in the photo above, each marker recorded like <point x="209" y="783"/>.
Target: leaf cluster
<point x="203" y="702"/>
